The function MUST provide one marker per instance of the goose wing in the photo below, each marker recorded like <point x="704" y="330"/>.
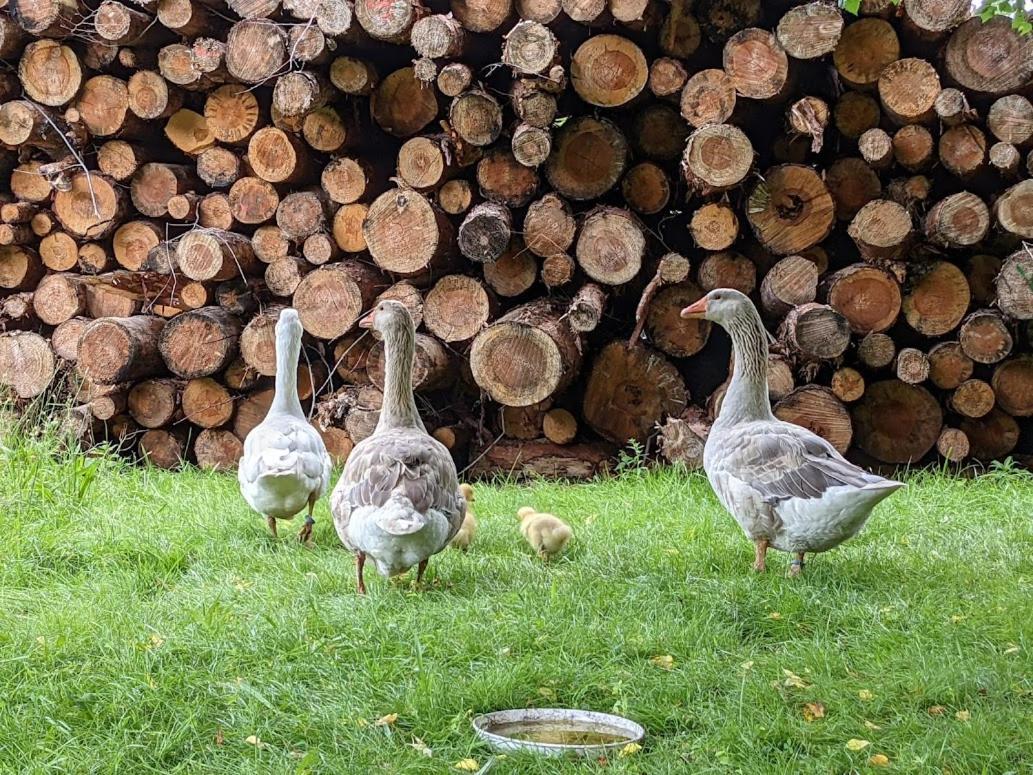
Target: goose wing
<point x="782" y="462"/>
<point x="396" y="465"/>
<point x="286" y="449"/>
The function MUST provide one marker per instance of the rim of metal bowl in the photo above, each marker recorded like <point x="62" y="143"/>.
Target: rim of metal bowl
<point x="482" y="723"/>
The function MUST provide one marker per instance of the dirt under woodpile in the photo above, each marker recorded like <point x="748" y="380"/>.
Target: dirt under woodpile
<point x="544" y="184"/>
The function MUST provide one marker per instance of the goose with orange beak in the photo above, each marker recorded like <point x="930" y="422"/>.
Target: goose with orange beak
<point x="788" y="488"/>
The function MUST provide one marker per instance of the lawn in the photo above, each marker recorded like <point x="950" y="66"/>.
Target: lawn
<point x="150" y="624"/>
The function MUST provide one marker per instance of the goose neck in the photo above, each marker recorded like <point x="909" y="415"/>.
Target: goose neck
<point x="288" y="348"/>
<point x="746" y="399"/>
<point x="399" y="406"/>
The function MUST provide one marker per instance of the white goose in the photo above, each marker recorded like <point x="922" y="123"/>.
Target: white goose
<point x="786" y="487"/>
<point x="285" y="465"/>
<point x="398" y="500"/>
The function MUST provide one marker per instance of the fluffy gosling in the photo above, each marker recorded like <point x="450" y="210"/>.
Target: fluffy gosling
<point x="464" y="537"/>
<point x="547" y="534"/>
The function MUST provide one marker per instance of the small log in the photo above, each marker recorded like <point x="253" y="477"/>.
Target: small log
<point x="49" y="72"/>
<point x="476" y="117"/>
<point x="847" y="384"/>
<point x="405" y="233"/>
<point x="1012" y="384"/>
<point x="630" y="390"/>
<point x="949" y="367"/>
<point x="756" y="63"/>
<point x="154" y="403"/>
<point x="589" y="157"/>
<point x="791" y="282"/>
<point x="482" y="15"/>
<point x="852" y="184"/>
<point x="505" y="180"/>
<point x="209" y="254"/>
<point x="867" y="296"/>
<point x="1014" y="288"/>
<point x="953" y="444"/>
<point x="728" y="270"/>
<point x="876" y="148"/>
<point x="667" y="331"/>
<point x="991" y="437"/>
<point x="454" y="78"/>
<point x="559" y="426"/>
<point x="646" y="188"/>
<point x="908" y="89"/>
<point x="985" y="337"/>
<point x="352" y="76"/>
<point x="351" y="354"/>
<point x="163" y="449"/>
<point x="608" y="71"/>
<point x="514" y="273"/>
<point x="809" y="116"/>
<point x="346" y="180"/>
<point x="1013" y="210"/>
<point x="527" y="355"/>
<point x="558" y="270"/>
<point x="1010" y="119"/>
<point x="250" y="412"/>
<point x="881" y="230"/>
<point x="276" y="156"/>
<point x="717" y="157"/>
<point x="283" y="275"/>
<point x="256" y="49"/>
<point x="523" y="422"/>
<point x="200" y="342"/>
<point x="401" y="104"/>
<point x="330" y="299"/>
<point x="91" y="207"/>
<point x="155" y="183"/>
<point x="457" y="308"/>
<point x="913" y="147"/>
<point x="409" y="296"/>
<point x="815" y="332"/>
<point x="586" y="308"/>
<point x="897" y="423"/>
<point x="485" y="233"/>
<point x="817" y="409"/>
<point x="989" y="58"/>
<point x="682" y="439"/>
<point x="962" y="150"/>
<point x="349" y="222"/>
<point x="216" y="450"/>
<point x="866" y="47"/>
<point x="531" y="145"/>
<point x="810" y="31"/>
<point x="972" y="398"/>
<point x="530" y="48"/>
<point x="958" y="221"/>
<point x="708" y="98"/>
<point x="1005" y="159"/>
<point x="206" y="403"/>
<point x="791" y="210"/>
<point x="27" y="363"/>
<point x="876" y="350"/>
<point x="455" y="197"/>
<point x="667" y="77"/>
<point x="549" y="226"/>
<point x="611" y="246"/>
<point x="855" y="113"/>
<point x="937" y="298"/>
<point x="424" y="163"/>
<point x="121" y="349"/>
<point x="911" y="366"/>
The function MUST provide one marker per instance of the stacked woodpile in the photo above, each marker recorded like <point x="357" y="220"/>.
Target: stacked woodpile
<point x="545" y="184"/>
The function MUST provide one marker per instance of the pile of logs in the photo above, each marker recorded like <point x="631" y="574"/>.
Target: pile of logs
<point x="544" y="184"/>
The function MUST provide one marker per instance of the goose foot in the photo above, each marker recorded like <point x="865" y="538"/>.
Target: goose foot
<point x="796" y="566"/>
<point x="360" y="561"/>
<point x="760" y="553"/>
<point x="305" y="534"/>
<point x="271" y="521"/>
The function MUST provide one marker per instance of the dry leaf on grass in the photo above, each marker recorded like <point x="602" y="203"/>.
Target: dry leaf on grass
<point x="1012" y="649"/>
<point x="936" y="710"/>
<point x="421" y="746"/>
<point x="871" y="726"/>
<point x="774" y="615"/>
<point x="793" y="680"/>
<point x="665" y="661"/>
<point x="813" y="711"/>
<point x="255" y="740"/>
<point x="219" y="738"/>
<point x="855" y="744"/>
<point x="629" y="750"/>
<point x="963" y="715"/>
<point x="386" y="721"/>
<point x="879" y="760"/>
<point x="547" y="692"/>
<point x="467" y="765"/>
<point x="866" y="695"/>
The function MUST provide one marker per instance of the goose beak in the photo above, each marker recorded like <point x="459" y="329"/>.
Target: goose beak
<point x="367" y="320"/>
<point x="696" y="309"/>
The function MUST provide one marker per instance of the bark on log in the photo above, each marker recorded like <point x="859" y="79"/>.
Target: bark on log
<point x="200" y="343"/>
<point x="121" y="349"/>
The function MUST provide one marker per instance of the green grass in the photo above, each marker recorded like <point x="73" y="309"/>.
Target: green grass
<point x="149" y="624"/>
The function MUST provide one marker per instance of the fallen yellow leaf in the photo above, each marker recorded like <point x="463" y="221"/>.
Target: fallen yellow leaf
<point x="854" y="744"/>
<point x="547" y="693"/>
<point x="219" y="738"/>
<point x="936" y="710"/>
<point x="665" y="661"/>
<point x="467" y="765"/>
<point x="962" y="715"/>
<point x="421" y="746"/>
<point x="629" y="750"/>
<point x="793" y="680"/>
<point x="866" y="695"/>
<point x="774" y="615"/>
<point x="254" y="740"/>
<point x="386" y="721"/>
<point x="879" y="760"/>
<point x="747" y="665"/>
<point x="957" y="618"/>
<point x="813" y="711"/>
<point x="1012" y="649"/>
<point x="870" y="725"/>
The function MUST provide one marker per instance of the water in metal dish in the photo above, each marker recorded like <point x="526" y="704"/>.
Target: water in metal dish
<point x="558" y="733"/>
